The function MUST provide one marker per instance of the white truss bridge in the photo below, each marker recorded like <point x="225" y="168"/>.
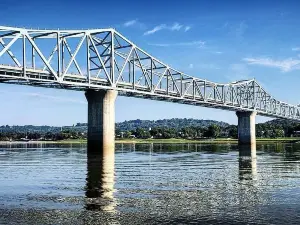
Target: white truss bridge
<point x="105" y="59"/>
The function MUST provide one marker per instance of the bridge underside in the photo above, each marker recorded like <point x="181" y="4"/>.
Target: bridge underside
<point x="11" y="75"/>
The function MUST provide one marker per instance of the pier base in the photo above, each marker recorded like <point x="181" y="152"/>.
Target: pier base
<point x="101" y="120"/>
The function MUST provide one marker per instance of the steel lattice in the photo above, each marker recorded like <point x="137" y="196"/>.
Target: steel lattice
<point x="104" y="59"/>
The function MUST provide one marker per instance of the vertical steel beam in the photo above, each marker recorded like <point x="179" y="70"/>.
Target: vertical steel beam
<point x="194" y="89"/>
<point x="58" y="55"/>
<point x="88" y="55"/>
<point x="129" y="72"/>
<point x="62" y="55"/>
<point x="167" y="82"/>
<point x="181" y="85"/>
<point x="112" y="60"/>
<point x="33" y="55"/>
<point x="133" y="72"/>
<point x="24" y="55"/>
<point x="151" y="81"/>
<point x="204" y="91"/>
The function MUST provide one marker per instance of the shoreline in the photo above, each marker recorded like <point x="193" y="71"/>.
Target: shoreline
<point x="167" y="141"/>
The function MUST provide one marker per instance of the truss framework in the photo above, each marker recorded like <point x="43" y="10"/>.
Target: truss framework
<point x="104" y="59"/>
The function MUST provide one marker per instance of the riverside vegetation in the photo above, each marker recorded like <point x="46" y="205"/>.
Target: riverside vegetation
<point x="142" y="130"/>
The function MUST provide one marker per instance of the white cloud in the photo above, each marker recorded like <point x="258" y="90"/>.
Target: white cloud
<point x="285" y="65"/>
<point x="198" y="44"/>
<point x="191" y="66"/>
<point x="175" y="27"/>
<point x="296" y="49"/>
<point x="130" y="23"/>
<point x="155" y="29"/>
<point x="187" y="28"/>
<point x="217" y="52"/>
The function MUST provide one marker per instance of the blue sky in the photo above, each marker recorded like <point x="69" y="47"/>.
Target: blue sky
<point x="220" y="41"/>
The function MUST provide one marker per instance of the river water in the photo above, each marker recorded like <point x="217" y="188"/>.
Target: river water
<point x="149" y="184"/>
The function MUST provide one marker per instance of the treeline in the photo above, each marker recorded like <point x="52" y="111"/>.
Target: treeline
<point x="212" y="131"/>
<point x="167" y="123"/>
<point x="164" y="129"/>
<point x="48" y="136"/>
<point x="271" y="129"/>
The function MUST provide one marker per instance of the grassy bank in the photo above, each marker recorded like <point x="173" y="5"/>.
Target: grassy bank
<point x="177" y="140"/>
<point x="171" y="140"/>
<point x="207" y="141"/>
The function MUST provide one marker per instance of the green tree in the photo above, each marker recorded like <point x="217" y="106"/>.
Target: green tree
<point x="213" y="131"/>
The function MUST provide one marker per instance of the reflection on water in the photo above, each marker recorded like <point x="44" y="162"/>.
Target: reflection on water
<point x="247" y="162"/>
<point x="150" y="184"/>
<point x="100" y="180"/>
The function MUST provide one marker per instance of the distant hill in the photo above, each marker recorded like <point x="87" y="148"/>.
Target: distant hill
<point x="145" y="124"/>
<point x="281" y="123"/>
<point x="169" y="123"/>
<point x="123" y="126"/>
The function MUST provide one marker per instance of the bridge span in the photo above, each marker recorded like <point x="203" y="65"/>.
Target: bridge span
<point x="104" y="63"/>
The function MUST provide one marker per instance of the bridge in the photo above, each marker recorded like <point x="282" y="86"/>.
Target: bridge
<point x="104" y="64"/>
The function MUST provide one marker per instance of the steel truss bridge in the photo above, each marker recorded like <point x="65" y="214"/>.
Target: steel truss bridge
<point x="105" y="59"/>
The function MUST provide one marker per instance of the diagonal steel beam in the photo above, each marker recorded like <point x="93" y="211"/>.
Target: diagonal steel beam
<point x="101" y="61"/>
<point x="10" y="44"/>
<point x="42" y="56"/>
<point x="10" y="53"/>
<point x="70" y="53"/>
<point x="74" y="55"/>
<point x="124" y="65"/>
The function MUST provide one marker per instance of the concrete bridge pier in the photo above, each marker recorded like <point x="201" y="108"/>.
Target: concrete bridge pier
<point x="246" y="128"/>
<point x="101" y="120"/>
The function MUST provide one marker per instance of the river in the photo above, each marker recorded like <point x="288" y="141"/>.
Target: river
<point x="149" y="184"/>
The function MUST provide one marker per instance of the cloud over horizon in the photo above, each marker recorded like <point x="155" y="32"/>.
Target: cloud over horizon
<point x="130" y="23"/>
<point x="134" y="23"/>
<point x="174" y="27"/>
<point x="285" y="65"/>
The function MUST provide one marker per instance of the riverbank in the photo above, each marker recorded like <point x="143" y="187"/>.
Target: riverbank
<point x="171" y="140"/>
<point x="208" y="141"/>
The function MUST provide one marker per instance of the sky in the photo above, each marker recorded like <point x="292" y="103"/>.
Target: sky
<point x="221" y="41"/>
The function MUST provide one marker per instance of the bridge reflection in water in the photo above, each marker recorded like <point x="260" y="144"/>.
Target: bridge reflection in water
<point x="100" y="180"/>
<point x="247" y="162"/>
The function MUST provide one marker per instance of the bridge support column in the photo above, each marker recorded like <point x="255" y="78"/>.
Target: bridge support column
<point x="246" y="128"/>
<point x="101" y="120"/>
